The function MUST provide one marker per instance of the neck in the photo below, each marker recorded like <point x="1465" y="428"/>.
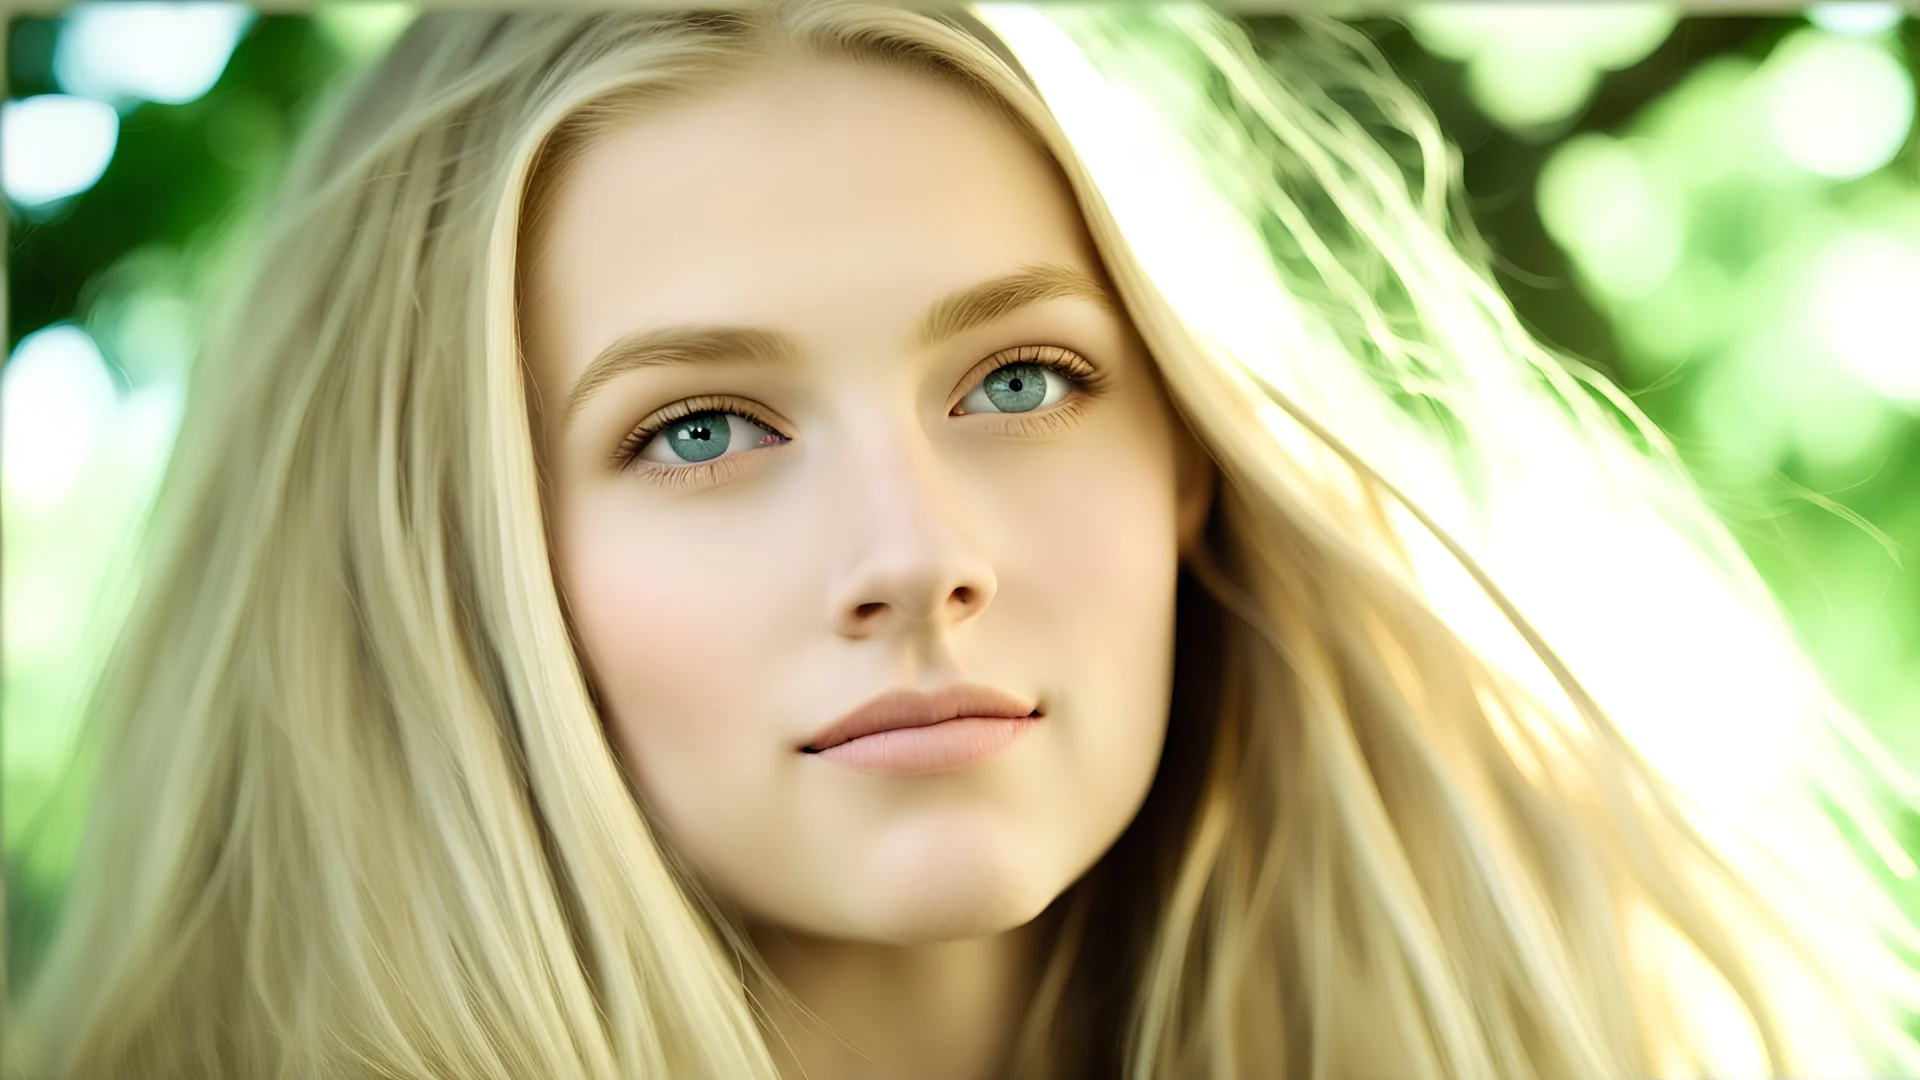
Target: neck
<point x="945" y="1011"/>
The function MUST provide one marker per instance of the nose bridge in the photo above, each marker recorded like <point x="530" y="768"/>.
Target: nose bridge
<point x="908" y="559"/>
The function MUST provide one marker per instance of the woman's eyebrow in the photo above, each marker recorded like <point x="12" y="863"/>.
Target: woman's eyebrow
<point x="975" y="305"/>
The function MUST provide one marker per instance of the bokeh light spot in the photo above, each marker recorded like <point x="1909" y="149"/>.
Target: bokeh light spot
<point x="171" y="53"/>
<point x="1531" y="65"/>
<point x="1863" y="291"/>
<point x="1855" y="18"/>
<point x="1602" y="35"/>
<point x="55" y="396"/>
<point x="1528" y="88"/>
<point x="53" y="146"/>
<point x="1837" y="107"/>
<point x="1620" y="220"/>
<point x="362" y="30"/>
<point x="1680" y="322"/>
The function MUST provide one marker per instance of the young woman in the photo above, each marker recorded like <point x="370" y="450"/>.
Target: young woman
<point x="788" y="542"/>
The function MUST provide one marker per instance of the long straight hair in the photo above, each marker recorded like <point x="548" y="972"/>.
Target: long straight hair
<point x="354" y="814"/>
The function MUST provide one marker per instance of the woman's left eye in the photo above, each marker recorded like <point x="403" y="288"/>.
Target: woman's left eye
<point x="1017" y="388"/>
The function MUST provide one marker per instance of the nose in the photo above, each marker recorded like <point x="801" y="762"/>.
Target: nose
<point x="911" y="568"/>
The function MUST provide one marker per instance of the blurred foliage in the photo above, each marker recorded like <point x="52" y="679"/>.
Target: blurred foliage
<point x="1673" y="200"/>
<point x="123" y="260"/>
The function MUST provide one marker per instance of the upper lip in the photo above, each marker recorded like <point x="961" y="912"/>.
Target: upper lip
<point x="906" y="708"/>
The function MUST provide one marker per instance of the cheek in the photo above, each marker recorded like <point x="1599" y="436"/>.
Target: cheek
<point x="665" y="627"/>
<point x="1115" y="540"/>
<point x="1100" y="534"/>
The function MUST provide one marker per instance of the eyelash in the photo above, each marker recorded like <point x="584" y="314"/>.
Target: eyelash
<point x="1089" y="380"/>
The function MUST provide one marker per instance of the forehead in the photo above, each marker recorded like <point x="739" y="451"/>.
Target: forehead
<point x="795" y="187"/>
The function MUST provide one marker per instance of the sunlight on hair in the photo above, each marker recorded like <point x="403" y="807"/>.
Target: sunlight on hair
<point x="1193" y="241"/>
<point x="1203" y="257"/>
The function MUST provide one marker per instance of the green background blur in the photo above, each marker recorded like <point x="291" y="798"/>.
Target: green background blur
<point x="1723" y="213"/>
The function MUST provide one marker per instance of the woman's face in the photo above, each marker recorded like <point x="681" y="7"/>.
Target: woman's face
<point x="833" y="402"/>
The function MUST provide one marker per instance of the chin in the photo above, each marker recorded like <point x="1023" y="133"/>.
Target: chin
<point x="950" y="893"/>
<point x="929" y="921"/>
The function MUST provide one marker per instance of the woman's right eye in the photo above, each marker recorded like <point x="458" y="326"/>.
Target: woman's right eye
<point x="702" y="437"/>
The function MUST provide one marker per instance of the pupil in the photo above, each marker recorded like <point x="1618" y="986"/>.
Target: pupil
<point x="702" y="437"/>
<point x="1014" y="385"/>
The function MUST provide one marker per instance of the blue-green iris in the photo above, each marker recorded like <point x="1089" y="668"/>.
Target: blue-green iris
<point x="1017" y="387"/>
<point x="699" y="437"/>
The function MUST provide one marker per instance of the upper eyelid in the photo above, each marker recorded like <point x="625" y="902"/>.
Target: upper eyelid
<point x="1070" y="363"/>
<point x="641" y="435"/>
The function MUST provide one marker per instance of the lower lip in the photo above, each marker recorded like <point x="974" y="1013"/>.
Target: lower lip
<point x="936" y="748"/>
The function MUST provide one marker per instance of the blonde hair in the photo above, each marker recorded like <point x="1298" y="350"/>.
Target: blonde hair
<point x="355" y="814"/>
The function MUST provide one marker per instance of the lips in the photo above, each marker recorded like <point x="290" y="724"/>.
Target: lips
<point x="907" y="708"/>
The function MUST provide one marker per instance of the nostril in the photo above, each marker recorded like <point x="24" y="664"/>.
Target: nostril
<point x="868" y="610"/>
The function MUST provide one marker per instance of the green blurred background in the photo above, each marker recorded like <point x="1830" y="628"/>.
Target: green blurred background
<point x="1723" y="213"/>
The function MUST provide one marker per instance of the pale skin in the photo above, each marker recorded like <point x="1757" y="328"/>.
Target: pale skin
<point x="875" y="519"/>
